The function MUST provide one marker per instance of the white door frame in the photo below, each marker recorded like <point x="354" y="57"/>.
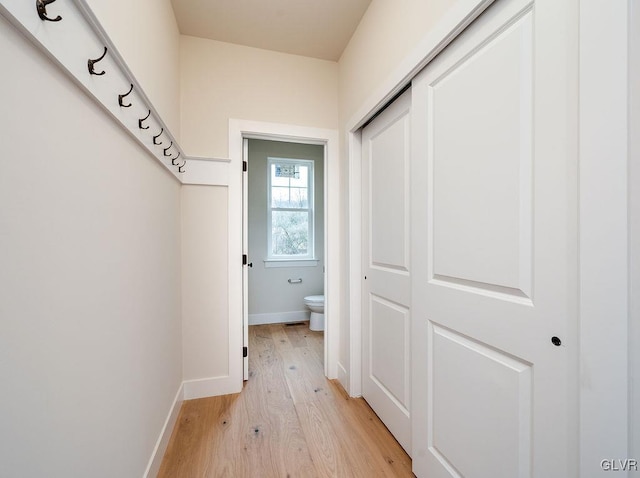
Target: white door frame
<point x="240" y="129"/>
<point x="605" y="409"/>
<point x="601" y="111"/>
<point x="634" y="226"/>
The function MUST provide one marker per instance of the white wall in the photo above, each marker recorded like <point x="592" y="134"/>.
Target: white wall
<point x="220" y="81"/>
<point x="146" y="34"/>
<point x="205" y="307"/>
<point x="269" y="291"/>
<point x="90" y="340"/>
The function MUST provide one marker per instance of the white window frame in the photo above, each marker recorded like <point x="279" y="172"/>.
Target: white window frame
<point x="308" y="259"/>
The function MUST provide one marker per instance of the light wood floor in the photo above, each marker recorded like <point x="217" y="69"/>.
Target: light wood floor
<point x="289" y="421"/>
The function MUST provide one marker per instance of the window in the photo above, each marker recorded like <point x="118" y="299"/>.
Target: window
<point x="290" y="214"/>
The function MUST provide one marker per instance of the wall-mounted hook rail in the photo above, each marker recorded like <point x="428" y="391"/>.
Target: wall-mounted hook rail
<point x="91" y="62"/>
<point x="121" y="97"/>
<point x="142" y="119"/>
<point x="181" y="167"/>
<point x="41" y="7"/>
<point x="157" y="136"/>
<point x="167" y="149"/>
<point x="173" y="160"/>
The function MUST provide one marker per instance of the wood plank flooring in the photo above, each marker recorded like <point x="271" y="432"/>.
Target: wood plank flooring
<point x="288" y="421"/>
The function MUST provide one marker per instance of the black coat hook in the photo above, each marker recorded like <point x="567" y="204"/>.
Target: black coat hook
<point x="41" y="6"/>
<point x="157" y="136"/>
<point x="90" y="64"/>
<point x="121" y="97"/>
<point x="167" y="149"/>
<point x="142" y="119"/>
<point x="173" y="160"/>
<point x="180" y="168"/>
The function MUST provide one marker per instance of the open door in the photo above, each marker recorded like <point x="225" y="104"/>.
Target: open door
<point x="245" y="260"/>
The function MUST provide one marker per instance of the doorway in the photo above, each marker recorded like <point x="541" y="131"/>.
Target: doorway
<point x="284" y="231"/>
<point x="238" y="131"/>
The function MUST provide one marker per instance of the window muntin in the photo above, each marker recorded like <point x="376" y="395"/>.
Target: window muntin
<point x="290" y="209"/>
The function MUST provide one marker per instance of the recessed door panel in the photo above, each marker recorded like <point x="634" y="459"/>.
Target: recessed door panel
<point x="389" y="196"/>
<point x="474" y="389"/>
<point x="481" y="164"/>
<point x="390" y="341"/>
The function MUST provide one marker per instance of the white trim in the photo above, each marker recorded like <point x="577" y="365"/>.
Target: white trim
<point x="353" y="381"/>
<point x="163" y="440"/>
<point x="206" y="172"/>
<point x="279" y="317"/>
<point x="634" y="226"/>
<point x="240" y="129"/>
<point x="458" y="17"/>
<point x="212" y="386"/>
<point x="269" y="263"/>
<point x="343" y="376"/>
<point x="603" y="224"/>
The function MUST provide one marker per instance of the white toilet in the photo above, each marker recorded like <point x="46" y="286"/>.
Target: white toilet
<point x="316" y="305"/>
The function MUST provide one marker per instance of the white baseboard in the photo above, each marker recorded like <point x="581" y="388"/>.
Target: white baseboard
<point x="163" y="440"/>
<point x="278" y="317"/>
<point x="343" y="377"/>
<point x="210" y="387"/>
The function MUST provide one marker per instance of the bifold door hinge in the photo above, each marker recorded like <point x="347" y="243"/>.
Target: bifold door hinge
<point x="244" y="166"/>
<point x="245" y="352"/>
<point x="244" y="259"/>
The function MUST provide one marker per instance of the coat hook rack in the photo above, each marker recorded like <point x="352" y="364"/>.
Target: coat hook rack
<point x="41" y="7"/>
<point x="121" y="97"/>
<point x="167" y="149"/>
<point x="142" y="119"/>
<point x="157" y="136"/>
<point x="181" y="167"/>
<point x="173" y="160"/>
<point x="90" y="64"/>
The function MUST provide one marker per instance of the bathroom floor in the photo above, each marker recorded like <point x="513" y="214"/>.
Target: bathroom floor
<point x="289" y="420"/>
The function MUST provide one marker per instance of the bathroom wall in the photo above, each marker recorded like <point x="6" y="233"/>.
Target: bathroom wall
<point x="271" y="297"/>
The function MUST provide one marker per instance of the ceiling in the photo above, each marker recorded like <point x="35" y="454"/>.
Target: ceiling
<point x="314" y="28"/>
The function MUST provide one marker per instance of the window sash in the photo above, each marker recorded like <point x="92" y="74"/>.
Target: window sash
<point x="309" y="210"/>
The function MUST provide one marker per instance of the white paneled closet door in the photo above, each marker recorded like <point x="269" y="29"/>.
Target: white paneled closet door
<point x="494" y="215"/>
<point x="386" y="282"/>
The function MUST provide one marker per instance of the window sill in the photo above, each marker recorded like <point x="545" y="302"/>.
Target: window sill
<point x="291" y="262"/>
